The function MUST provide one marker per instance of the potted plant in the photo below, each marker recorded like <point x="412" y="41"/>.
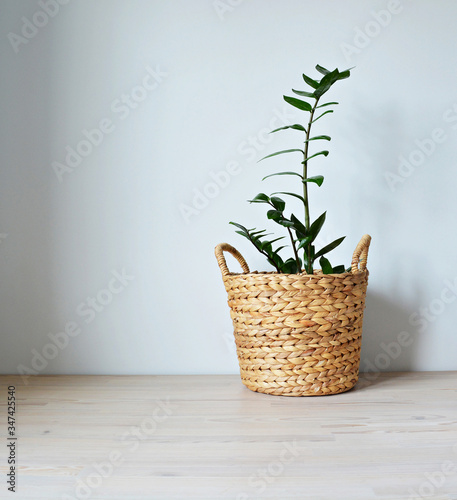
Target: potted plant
<point x="298" y="329"/>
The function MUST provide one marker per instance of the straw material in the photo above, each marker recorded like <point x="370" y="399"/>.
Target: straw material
<point x="297" y="334"/>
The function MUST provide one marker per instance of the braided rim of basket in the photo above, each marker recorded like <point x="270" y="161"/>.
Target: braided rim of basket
<point x="358" y="263"/>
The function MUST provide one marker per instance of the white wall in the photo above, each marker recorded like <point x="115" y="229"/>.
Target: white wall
<point x="220" y="73"/>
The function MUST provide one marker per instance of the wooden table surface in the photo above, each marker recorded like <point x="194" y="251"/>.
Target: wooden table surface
<point x="208" y="437"/>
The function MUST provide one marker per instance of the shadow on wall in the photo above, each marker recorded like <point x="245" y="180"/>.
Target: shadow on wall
<point x="389" y="341"/>
<point x="28" y="305"/>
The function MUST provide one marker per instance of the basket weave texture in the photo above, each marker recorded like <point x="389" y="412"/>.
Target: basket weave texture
<point x="297" y="334"/>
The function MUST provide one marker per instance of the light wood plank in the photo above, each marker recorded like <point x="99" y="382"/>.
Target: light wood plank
<point x="208" y="437"/>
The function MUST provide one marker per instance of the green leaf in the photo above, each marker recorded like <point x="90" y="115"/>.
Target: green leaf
<point x="260" y="198"/>
<point x="327" y="104"/>
<point x="275" y="215"/>
<point x="325" y="153"/>
<point x="282" y="152"/>
<point x="291" y="194"/>
<point x="290" y="267"/>
<point x="239" y="226"/>
<point x="278" y="203"/>
<point x="286" y="223"/>
<point x="329" y="79"/>
<point x="317" y="137"/>
<point x="260" y="236"/>
<point x="311" y="82"/>
<point x="283" y="173"/>
<point x="316" y="226"/>
<point x="297" y="126"/>
<point x="339" y="269"/>
<point x="277" y="239"/>
<point x="305" y="242"/>
<point x="298" y="103"/>
<point x="276" y="261"/>
<point x="325" y="265"/>
<point x="317" y="179"/>
<point x="258" y="233"/>
<point x="326" y="82"/>
<point x="320" y="116"/>
<point x="329" y="247"/>
<point x="322" y="70"/>
<point x="298" y="226"/>
<point x="344" y="74"/>
<point x="303" y="93"/>
<point x="243" y="234"/>
<point x="266" y="247"/>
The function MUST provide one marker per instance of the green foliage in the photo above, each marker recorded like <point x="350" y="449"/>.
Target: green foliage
<point x="302" y="234"/>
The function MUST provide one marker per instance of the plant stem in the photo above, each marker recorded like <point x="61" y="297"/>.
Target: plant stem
<point x="309" y="267"/>
<point x="305" y="165"/>
<point x="297" y="258"/>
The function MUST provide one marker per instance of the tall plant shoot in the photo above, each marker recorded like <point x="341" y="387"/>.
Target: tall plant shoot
<point x="302" y="235"/>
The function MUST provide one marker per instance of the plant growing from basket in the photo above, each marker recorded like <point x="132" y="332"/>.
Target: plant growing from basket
<point x="298" y="333"/>
<point x="302" y="234"/>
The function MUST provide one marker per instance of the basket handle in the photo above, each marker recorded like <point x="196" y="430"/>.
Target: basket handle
<point x="361" y="254"/>
<point x="219" y="252"/>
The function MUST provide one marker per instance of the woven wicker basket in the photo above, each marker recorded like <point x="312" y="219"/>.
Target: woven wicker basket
<point x="297" y="334"/>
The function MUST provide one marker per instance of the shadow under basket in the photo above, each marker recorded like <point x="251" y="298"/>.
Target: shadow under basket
<point x="297" y="334"/>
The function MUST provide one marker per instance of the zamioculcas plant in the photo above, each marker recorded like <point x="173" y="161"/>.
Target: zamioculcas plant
<point x="298" y="332"/>
<point x="302" y="233"/>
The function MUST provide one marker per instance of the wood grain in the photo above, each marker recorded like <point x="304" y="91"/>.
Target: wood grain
<point x="208" y="437"/>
